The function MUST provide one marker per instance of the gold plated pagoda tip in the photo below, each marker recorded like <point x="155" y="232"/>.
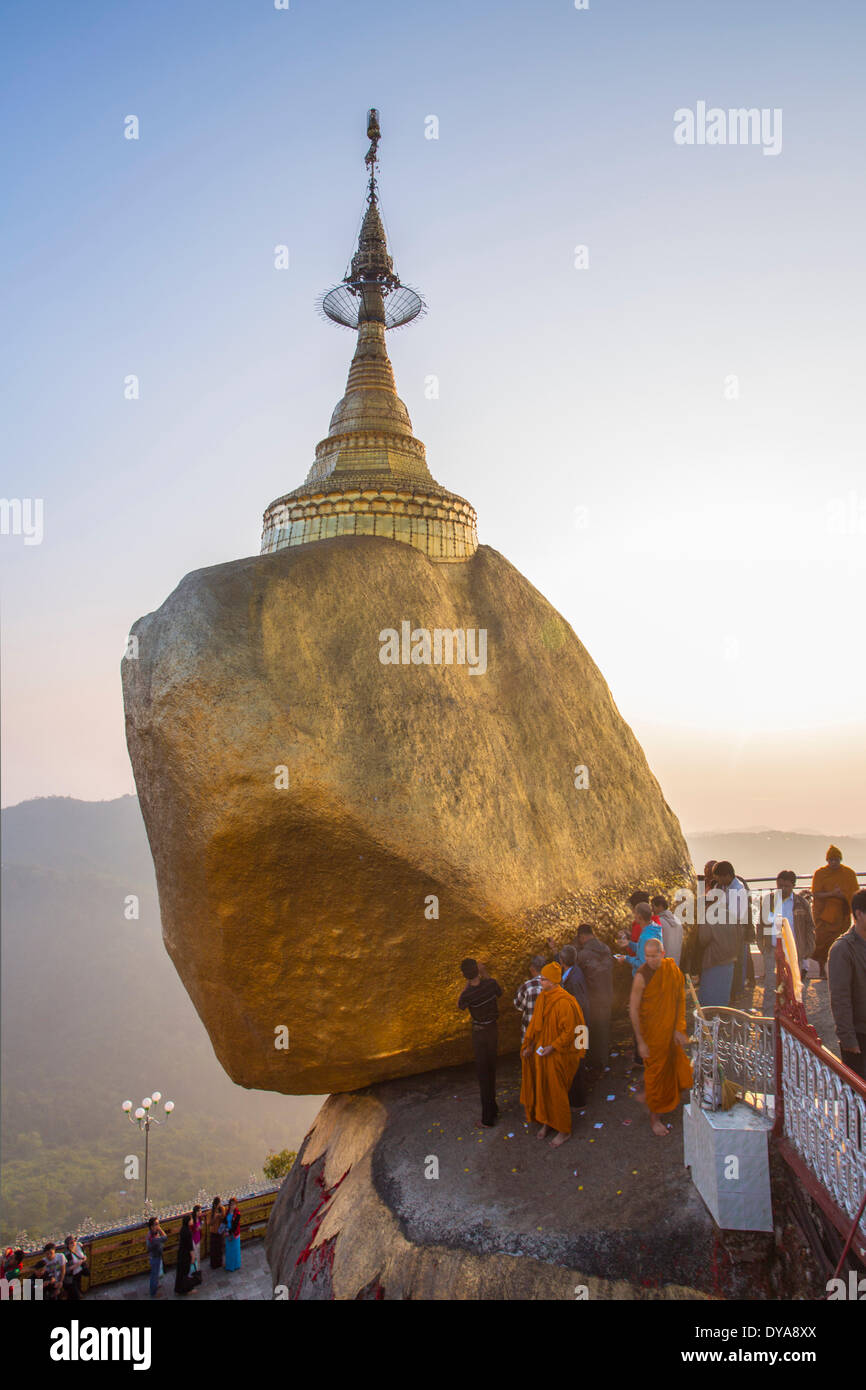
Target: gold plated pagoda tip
<point x="370" y="475"/>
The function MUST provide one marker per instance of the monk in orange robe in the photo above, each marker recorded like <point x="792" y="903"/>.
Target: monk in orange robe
<point x="658" y="1014"/>
<point x="553" y="1046"/>
<point x="833" y="887"/>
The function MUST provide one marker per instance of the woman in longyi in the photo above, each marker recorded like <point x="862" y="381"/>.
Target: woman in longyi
<point x="551" y="1056"/>
<point x="658" y="1013"/>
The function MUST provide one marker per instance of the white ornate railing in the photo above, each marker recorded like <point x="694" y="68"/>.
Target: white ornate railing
<point x="825" y="1122"/>
<point x="736" y="1047"/>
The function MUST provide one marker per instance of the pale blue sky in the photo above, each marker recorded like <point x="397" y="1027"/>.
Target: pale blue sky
<point x="560" y="389"/>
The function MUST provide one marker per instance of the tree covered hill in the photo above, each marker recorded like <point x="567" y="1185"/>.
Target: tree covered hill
<point x="93" y="1013"/>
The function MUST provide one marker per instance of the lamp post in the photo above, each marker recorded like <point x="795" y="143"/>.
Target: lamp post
<point x="144" y="1118"/>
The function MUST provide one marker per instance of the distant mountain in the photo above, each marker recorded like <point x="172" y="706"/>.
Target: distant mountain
<point x="93" y="1014"/>
<point x="762" y="853"/>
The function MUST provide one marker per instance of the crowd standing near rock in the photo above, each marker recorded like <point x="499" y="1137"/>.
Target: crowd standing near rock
<point x="565" y="1003"/>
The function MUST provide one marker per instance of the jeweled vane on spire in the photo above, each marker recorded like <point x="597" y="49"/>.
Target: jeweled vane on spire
<point x="370" y="475"/>
<point x="371" y="264"/>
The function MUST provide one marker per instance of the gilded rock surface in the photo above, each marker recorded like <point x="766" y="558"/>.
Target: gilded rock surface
<point x="333" y="834"/>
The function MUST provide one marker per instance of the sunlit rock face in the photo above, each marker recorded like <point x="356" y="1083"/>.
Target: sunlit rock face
<point x="334" y="832"/>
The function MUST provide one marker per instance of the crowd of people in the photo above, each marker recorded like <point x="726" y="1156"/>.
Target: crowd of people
<point x="59" y="1271"/>
<point x="565" y="1014"/>
<point x="224" y="1241"/>
<point x="828" y="932"/>
<point x="565" y="1003"/>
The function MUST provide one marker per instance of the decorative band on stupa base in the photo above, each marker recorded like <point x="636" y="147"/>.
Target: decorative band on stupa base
<point x="432" y="520"/>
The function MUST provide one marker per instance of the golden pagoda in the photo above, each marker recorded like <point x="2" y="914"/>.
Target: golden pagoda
<point x="370" y="475"/>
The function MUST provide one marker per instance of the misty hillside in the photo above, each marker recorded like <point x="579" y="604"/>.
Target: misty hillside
<point x="762" y="853"/>
<point x="93" y="1014"/>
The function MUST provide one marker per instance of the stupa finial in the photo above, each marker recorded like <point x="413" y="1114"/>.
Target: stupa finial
<point x="371" y="288"/>
<point x="374" y="135"/>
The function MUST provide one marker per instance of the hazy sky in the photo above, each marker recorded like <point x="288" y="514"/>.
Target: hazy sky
<point x="708" y="550"/>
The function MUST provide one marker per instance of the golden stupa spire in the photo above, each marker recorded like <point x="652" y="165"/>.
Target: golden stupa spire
<point x="370" y="475"/>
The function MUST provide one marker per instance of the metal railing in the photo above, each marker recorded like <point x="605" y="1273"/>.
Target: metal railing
<point x="820" y="1121"/>
<point x="736" y="1047"/>
<point x="825" y="1121"/>
<point x="803" y="883"/>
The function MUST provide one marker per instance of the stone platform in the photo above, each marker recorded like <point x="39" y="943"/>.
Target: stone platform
<point x="252" y="1282"/>
<point x="613" y="1211"/>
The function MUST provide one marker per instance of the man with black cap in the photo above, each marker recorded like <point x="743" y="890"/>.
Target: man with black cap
<point x="479" y="997"/>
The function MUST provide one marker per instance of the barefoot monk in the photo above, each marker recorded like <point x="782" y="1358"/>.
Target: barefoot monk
<point x="551" y="1058"/>
<point x="658" y="1014"/>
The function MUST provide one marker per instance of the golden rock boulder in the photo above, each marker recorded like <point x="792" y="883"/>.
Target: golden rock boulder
<point x="338" y="814"/>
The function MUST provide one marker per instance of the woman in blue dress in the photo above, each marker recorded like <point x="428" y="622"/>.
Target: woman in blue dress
<point x="233" y="1236"/>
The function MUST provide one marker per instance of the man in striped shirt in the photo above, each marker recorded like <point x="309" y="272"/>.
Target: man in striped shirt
<point x="524" y="999"/>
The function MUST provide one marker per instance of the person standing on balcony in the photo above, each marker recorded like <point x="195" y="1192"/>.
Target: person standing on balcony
<point x="232" y="1225"/>
<point x="156" y="1238"/>
<point x="76" y="1266"/>
<point x="216" y="1235"/>
<point x="833" y="887"/>
<point x="183" y="1282"/>
<point x="846" y="968"/>
<point x="195" y="1227"/>
<point x="657" y="1008"/>
<point x="55" y="1268"/>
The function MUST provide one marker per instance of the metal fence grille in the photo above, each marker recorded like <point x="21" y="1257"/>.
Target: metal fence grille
<point x="736" y="1047"/>
<point x="825" y="1122"/>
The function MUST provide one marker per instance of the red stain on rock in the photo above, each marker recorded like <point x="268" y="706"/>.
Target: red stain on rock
<point x="319" y="1259"/>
